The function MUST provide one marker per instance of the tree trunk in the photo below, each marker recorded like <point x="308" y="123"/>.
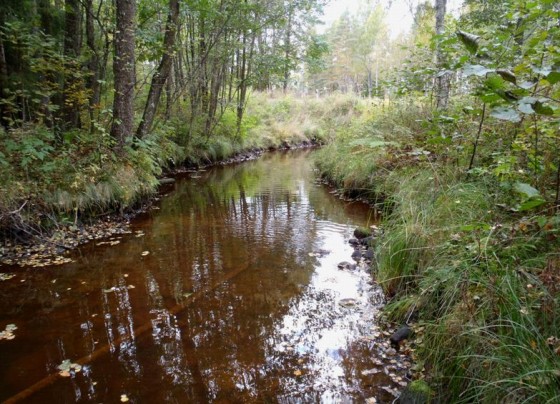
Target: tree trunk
<point x="163" y="70"/>
<point x="442" y="79"/>
<point x="243" y="85"/>
<point x="369" y="83"/>
<point x="72" y="45"/>
<point x="124" y="72"/>
<point x="3" y="81"/>
<point x="287" y="50"/>
<point x="93" y="64"/>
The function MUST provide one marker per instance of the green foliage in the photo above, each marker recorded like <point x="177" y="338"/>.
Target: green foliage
<point x="474" y="256"/>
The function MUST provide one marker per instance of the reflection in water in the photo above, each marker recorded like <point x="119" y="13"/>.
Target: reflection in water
<point x="228" y="306"/>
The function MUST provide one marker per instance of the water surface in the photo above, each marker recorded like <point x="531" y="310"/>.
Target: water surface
<point x="228" y="292"/>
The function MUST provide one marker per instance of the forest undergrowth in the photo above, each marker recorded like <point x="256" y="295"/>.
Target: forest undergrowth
<point x="469" y="256"/>
<point x="52" y="180"/>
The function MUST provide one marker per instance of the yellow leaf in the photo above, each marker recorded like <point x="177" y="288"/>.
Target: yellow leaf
<point x="534" y="344"/>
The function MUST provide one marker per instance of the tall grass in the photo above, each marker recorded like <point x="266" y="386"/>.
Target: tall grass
<point x="481" y="280"/>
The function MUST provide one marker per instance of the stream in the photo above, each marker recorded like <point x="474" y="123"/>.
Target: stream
<point x="227" y="291"/>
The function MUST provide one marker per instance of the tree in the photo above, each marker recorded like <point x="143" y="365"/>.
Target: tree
<point x="442" y="78"/>
<point x="124" y="72"/>
<point x="162" y="73"/>
<point x="72" y="45"/>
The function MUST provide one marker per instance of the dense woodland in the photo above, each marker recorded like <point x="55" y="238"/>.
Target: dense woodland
<point x="451" y="129"/>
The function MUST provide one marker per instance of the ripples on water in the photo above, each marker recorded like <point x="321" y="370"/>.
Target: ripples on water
<point x="228" y="306"/>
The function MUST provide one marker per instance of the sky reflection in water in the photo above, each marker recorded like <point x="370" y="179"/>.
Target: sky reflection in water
<point x="228" y="306"/>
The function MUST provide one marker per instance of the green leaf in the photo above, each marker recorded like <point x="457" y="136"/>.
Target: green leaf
<point x="526" y="85"/>
<point x="495" y="82"/>
<point x="526" y="189"/>
<point x="531" y="204"/>
<point x="476" y="226"/>
<point x="542" y="109"/>
<point x="476" y="70"/>
<point x="507" y="75"/>
<point x="544" y="70"/>
<point x="526" y="108"/>
<point x="469" y="40"/>
<point x="553" y="77"/>
<point x="490" y="98"/>
<point x="506" y="114"/>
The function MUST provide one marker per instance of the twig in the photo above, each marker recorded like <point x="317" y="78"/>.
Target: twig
<point x="477" y="139"/>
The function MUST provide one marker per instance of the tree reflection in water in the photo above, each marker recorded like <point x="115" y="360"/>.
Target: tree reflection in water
<point x="228" y="306"/>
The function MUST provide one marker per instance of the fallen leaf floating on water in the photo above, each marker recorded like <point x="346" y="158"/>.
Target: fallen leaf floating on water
<point x="131" y="287"/>
<point x="8" y="333"/>
<point x="41" y="254"/>
<point x="187" y="295"/>
<point x="389" y="390"/>
<point x="144" y="253"/>
<point x="66" y="368"/>
<point x="297" y="372"/>
<point x="124" y="398"/>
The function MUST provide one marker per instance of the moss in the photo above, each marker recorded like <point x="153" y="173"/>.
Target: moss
<point x="417" y="392"/>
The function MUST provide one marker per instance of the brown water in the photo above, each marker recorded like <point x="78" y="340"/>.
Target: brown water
<point x="231" y="304"/>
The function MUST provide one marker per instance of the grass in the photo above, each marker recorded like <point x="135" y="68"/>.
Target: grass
<point x="480" y="278"/>
<point x="48" y="179"/>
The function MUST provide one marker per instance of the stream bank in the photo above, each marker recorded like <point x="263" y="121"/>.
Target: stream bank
<point x="52" y="245"/>
<point x="228" y="290"/>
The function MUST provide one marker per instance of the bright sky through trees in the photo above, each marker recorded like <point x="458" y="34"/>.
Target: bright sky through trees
<point x="399" y="16"/>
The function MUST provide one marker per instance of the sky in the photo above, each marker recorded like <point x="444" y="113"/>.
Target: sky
<point x="399" y="18"/>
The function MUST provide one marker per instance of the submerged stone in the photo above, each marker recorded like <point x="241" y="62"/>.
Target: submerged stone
<point x="400" y="335"/>
<point x="346" y="265"/>
<point x="362" y="232"/>
<point x="417" y="392"/>
<point x="348" y="302"/>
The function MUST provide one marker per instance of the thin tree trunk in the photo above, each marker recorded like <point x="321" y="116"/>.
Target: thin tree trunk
<point x="558" y="187"/>
<point x="124" y="71"/>
<point x="72" y="31"/>
<point x="442" y="79"/>
<point x="475" y="145"/>
<point x="287" y="50"/>
<point x="169" y="95"/>
<point x="93" y="65"/>
<point x="3" y="81"/>
<point x="163" y="70"/>
<point x="246" y="69"/>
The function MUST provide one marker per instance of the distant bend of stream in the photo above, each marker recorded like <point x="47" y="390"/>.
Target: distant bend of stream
<point x="228" y="291"/>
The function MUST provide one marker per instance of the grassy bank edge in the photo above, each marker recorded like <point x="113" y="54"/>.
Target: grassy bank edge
<point x="51" y="182"/>
<point x="478" y="279"/>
